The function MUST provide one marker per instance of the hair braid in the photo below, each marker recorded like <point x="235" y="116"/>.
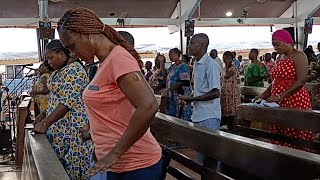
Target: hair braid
<point x="56" y="45"/>
<point x="85" y="21"/>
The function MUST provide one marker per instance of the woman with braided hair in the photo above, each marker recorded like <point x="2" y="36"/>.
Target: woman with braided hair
<point x="65" y="117"/>
<point x="119" y="101"/>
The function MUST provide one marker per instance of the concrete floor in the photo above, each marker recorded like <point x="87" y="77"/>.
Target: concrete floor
<point x="9" y="172"/>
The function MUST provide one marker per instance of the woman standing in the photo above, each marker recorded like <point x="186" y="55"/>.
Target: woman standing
<point x="256" y="71"/>
<point x="158" y="79"/>
<point x="119" y="102"/>
<point x="66" y="115"/>
<point x="41" y="90"/>
<point x="178" y="83"/>
<point x="288" y="86"/>
<point x="230" y="94"/>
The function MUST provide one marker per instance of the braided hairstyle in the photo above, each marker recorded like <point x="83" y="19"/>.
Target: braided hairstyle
<point x="85" y="21"/>
<point x="176" y="51"/>
<point x="56" y="46"/>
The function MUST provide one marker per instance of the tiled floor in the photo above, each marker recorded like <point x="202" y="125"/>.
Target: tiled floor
<point x="8" y="172"/>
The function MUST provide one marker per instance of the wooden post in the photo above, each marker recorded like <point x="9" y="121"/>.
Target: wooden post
<point x="22" y="114"/>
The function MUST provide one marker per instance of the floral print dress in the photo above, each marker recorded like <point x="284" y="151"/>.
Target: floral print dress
<point x="230" y="93"/>
<point x="66" y="87"/>
<point x="176" y="73"/>
<point x="41" y="100"/>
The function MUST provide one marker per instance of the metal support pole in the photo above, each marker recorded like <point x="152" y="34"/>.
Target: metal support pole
<point x="43" y="9"/>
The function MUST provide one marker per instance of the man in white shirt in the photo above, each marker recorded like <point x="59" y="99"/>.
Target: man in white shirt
<point x="206" y="98"/>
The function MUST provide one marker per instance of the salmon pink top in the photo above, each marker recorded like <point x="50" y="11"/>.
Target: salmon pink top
<point x="110" y="112"/>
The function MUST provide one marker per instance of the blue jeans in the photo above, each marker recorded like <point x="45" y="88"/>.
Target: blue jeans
<point x="212" y="123"/>
<point x="99" y="176"/>
<point x="150" y="173"/>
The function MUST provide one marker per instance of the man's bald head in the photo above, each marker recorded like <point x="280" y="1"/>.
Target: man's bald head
<point x="127" y="36"/>
<point x="198" y="44"/>
<point x="202" y="39"/>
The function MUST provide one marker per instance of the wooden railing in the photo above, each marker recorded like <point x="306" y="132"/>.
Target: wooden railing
<point x="22" y="115"/>
<point x="40" y="162"/>
<point x="250" y="92"/>
<point x="285" y="117"/>
<point x="257" y="158"/>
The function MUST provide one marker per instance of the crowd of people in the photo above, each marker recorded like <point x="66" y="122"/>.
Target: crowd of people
<point x="98" y="119"/>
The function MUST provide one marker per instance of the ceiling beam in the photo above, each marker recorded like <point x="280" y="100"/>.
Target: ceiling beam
<point x="7" y="22"/>
<point x="303" y="8"/>
<point x="188" y="8"/>
<point x="29" y="22"/>
<point x="248" y="21"/>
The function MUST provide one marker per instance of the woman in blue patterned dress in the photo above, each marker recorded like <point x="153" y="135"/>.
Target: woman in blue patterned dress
<point x="178" y="83"/>
<point x="66" y="114"/>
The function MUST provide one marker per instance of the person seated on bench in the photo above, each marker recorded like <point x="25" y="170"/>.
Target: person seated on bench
<point x="288" y="88"/>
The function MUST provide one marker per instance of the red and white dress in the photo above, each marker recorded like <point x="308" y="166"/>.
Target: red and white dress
<point x="283" y="75"/>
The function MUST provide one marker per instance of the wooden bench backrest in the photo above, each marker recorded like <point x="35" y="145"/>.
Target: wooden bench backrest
<point x="261" y="159"/>
<point x="293" y="118"/>
<point x="251" y="91"/>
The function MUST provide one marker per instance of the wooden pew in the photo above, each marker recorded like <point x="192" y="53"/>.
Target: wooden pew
<point x="291" y="118"/>
<point x="249" y="92"/>
<point x="259" y="159"/>
<point x="40" y="162"/>
<point x="22" y="115"/>
<point x="314" y="91"/>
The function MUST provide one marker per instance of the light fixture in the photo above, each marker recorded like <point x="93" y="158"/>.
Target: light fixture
<point x="229" y="13"/>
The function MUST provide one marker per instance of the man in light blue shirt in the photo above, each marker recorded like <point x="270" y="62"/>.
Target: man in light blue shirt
<point x="206" y="99"/>
<point x="236" y="62"/>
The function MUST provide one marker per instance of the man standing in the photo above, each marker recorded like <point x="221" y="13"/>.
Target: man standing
<point x="236" y="62"/>
<point x="214" y="55"/>
<point x="206" y="98"/>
